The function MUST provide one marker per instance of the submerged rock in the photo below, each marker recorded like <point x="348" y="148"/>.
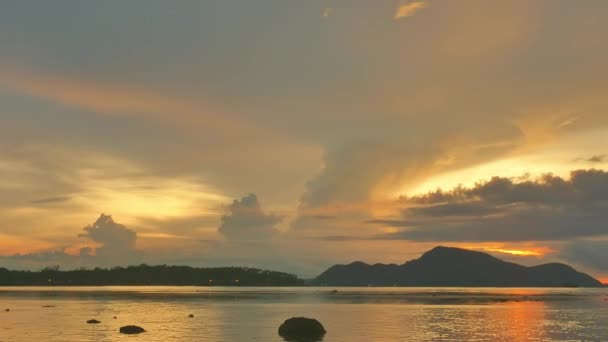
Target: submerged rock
<point x="7" y="310"/>
<point x="190" y="316"/>
<point x="131" y="329"/>
<point x="93" y="321"/>
<point x="302" y="329"/>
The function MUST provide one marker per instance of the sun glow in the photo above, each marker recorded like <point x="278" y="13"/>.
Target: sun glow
<point x="518" y="252"/>
<point x="150" y="197"/>
<point x="524" y="251"/>
<point x="558" y="159"/>
<point x="509" y="168"/>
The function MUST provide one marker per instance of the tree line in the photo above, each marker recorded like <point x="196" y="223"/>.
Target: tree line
<point x="149" y="275"/>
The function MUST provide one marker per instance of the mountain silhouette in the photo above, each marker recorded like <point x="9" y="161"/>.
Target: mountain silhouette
<point x="447" y="266"/>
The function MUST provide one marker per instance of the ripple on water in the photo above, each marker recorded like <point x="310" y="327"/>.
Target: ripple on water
<point x="348" y="315"/>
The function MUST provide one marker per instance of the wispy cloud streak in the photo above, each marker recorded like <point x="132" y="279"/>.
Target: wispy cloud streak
<point x="409" y="9"/>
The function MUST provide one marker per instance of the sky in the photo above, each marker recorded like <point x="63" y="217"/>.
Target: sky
<point x="296" y="135"/>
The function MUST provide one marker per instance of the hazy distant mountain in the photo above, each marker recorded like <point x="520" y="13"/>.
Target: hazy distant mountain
<point x="445" y="266"/>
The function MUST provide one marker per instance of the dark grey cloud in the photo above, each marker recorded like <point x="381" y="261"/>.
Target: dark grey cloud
<point x="502" y="209"/>
<point x="590" y="254"/>
<point x="452" y="209"/>
<point x="599" y="158"/>
<point x="37" y="261"/>
<point x="343" y="238"/>
<point x="323" y="217"/>
<point x="52" y="200"/>
<point x="246" y="220"/>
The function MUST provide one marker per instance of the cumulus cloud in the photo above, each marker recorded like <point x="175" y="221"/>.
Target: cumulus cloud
<point x="358" y="177"/>
<point x="344" y="186"/>
<point x="247" y="221"/>
<point x="502" y="209"/>
<point x="113" y="244"/>
<point x="409" y="9"/>
<point x="114" y="239"/>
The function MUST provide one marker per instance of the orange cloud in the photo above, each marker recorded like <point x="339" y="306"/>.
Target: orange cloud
<point x="121" y="99"/>
<point x="18" y="244"/>
<point x="408" y="10"/>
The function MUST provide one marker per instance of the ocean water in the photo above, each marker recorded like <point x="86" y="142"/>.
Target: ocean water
<point x="350" y="314"/>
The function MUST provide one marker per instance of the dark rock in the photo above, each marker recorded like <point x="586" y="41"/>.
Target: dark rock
<point x="7" y="310"/>
<point x="131" y="329"/>
<point x="93" y="321"/>
<point x="190" y="315"/>
<point x="333" y="291"/>
<point x="302" y="329"/>
<point x="48" y="306"/>
<point x="115" y="317"/>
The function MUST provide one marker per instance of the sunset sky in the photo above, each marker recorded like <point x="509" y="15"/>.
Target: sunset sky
<point x="293" y="135"/>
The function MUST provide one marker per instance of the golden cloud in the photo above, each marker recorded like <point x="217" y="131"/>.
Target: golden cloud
<point x="409" y="9"/>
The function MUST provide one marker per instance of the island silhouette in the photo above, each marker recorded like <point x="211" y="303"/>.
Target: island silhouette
<point x="441" y="266"/>
<point x="448" y="266"/>
<point x="143" y="275"/>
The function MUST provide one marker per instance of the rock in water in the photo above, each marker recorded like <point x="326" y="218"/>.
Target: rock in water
<point x="131" y="329"/>
<point x="7" y="310"/>
<point x="93" y="321"/>
<point x="302" y="329"/>
<point x="190" y="316"/>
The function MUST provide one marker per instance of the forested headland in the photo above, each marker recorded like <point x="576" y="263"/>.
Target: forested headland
<point x="149" y="275"/>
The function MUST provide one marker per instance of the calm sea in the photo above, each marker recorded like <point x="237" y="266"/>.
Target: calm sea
<point x="350" y="314"/>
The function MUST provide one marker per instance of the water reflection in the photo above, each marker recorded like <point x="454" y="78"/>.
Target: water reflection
<point x="349" y="315"/>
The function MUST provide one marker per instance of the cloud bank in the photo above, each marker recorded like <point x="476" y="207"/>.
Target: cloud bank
<point x="549" y="208"/>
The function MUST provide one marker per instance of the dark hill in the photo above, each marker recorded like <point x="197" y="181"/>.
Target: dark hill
<point x="445" y="266"/>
